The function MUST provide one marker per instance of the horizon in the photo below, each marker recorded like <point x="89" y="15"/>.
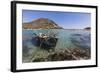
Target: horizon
<point x="67" y="20"/>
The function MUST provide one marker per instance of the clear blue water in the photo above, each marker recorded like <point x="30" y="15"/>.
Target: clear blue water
<point x="67" y="39"/>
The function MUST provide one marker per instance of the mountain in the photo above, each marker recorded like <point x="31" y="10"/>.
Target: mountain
<point x="41" y="23"/>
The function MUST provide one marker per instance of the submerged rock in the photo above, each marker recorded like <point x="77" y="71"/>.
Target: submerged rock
<point x="60" y="56"/>
<point x="47" y="44"/>
<point x="64" y="54"/>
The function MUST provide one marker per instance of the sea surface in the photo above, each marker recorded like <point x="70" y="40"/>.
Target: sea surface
<point x="67" y="39"/>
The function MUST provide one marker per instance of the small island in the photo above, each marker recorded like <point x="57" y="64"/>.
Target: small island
<point x="87" y="28"/>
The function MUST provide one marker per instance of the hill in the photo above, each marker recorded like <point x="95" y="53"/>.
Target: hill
<point x="41" y="23"/>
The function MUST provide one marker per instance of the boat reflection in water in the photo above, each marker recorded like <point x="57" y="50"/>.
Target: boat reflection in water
<point x="44" y="41"/>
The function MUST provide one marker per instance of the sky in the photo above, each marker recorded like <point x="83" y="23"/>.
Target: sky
<point x="67" y="20"/>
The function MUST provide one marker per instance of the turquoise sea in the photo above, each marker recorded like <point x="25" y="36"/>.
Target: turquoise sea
<point x="67" y="39"/>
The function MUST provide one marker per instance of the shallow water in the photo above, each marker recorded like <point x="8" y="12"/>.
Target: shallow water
<point x="67" y="39"/>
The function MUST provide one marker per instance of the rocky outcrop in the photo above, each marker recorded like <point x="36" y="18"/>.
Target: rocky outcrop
<point x="87" y="28"/>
